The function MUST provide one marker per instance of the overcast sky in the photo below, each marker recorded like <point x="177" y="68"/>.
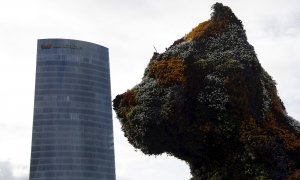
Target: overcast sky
<point x="130" y="29"/>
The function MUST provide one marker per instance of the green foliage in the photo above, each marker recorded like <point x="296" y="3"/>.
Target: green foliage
<point x="223" y="12"/>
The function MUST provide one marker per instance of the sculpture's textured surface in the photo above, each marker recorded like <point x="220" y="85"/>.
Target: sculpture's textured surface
<point x="207" y="100"/>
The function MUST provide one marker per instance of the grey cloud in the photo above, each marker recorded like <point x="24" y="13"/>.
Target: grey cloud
<point x="6" y="172"/>
<point x="278" y="27"/>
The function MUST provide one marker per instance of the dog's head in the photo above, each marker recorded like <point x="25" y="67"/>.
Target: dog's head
<point x="206" y="99"/>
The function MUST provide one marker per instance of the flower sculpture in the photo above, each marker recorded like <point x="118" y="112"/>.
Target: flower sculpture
<point x="208" y="101"/>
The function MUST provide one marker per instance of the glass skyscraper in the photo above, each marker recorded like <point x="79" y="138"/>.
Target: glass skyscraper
<point x="72" y="137"/>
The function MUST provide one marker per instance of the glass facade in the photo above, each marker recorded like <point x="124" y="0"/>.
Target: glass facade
<point x="72" y="136"/>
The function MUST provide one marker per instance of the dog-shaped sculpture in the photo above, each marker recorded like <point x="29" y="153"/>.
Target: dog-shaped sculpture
<point x="207" y="100"/>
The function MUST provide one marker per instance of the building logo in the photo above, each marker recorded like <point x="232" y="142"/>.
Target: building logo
<point x="46" y="46"/>
<point x="49" y="45"/>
